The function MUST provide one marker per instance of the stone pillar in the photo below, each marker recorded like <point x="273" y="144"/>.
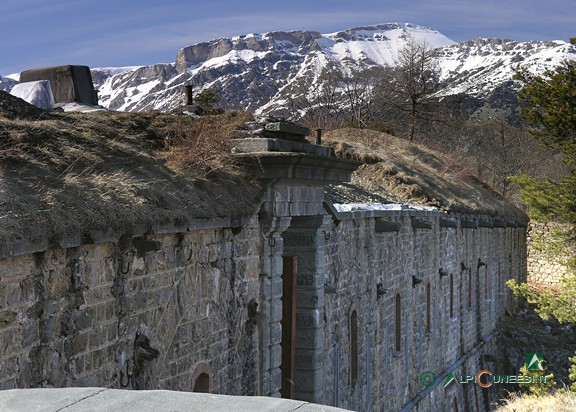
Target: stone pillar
<point x="305" y="239"/>
<point x="271" y="306"/>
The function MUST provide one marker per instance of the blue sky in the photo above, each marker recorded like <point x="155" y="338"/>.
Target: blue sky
<point x="103" y="33"/>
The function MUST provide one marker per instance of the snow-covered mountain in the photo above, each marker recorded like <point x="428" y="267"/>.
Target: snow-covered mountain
<point x="7" y="83"/>
<point x="483" y="69"/>
<point x="264" y="73"/>
<point x="255" y="72"/>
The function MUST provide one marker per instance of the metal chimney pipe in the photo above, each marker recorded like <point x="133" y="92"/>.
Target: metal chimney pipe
<point x="319" y="136"/>
<point x="188" y="94"/>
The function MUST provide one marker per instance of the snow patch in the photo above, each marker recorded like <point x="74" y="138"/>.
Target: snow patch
<point x="80" y="107"/>
<point x="37" y="93"/>
<point x="113" y="71"/>
<point x="14" y="76"/>
<point x="352" y="207"/>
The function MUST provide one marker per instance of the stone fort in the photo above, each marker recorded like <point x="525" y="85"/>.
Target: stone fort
<point x="304" y="296"/>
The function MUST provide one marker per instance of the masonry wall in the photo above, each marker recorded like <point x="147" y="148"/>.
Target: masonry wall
<point x="69" y="317"/>
<point x="387" y="377"/>
<point x="546" y="267"/>
<point x="210" y="301"/>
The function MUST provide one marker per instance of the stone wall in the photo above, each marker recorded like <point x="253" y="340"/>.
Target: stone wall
<point x="546" y="267"/>
<point x="381" y="296"/>
<point x="407" y="260"/>
<point x="70" y="317"/>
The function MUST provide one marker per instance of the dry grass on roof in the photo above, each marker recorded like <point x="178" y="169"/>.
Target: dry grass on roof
<point x="558" y="401"/>
<point x="398" y="171"/>
<point x="65" y="173"/>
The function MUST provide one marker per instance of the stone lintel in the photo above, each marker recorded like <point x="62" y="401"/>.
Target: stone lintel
<point x="383" y="226"/>
<point x="267" y="144"/>
<point x="452" y="223"/>
<point x="331" y="210"/>
<point x="65" y="242"/>
<point x="168" y="229"/>
<point x="286" y="127"/>
<point x="304" y="167"/>
<point x="146" y="245"/>
<point x="421" y="223"/>
<point x="498" y="223"/>
<point x="468" y="224"/>
<point x="485" y="223"/>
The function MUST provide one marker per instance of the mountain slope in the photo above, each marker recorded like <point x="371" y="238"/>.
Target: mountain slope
<point x="474" y="66"/>
<point x="267" y="73"/>
<point x="253" y="70"/>
<point x="6" y="83"/>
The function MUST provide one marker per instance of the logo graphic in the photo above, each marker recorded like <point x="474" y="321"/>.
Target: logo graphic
<point x="427" y="379"/>
<point x="535" y="362"/>
<point x="449" y="379"/>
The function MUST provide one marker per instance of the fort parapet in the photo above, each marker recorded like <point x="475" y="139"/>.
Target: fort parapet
<point x="300" y="298"/>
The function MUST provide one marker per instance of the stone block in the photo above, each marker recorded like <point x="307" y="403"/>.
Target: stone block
<point x="68" y="83"/>
<point x="8" y="384"/>
<point x="300" y="240"/>
<point x="383" y="226"/>
<point x="266" y="384"/>
<point x="275" y="334"/>
<point x="303" y="395"/>
<point x="311" y="379"/>
<point x="309" y="338"/>
<point x="30" y="335"/>
<point x="310" y="298"/>
<point x="276" y="356"/>
<point x="276" y="382"/>
<point x="311" y="280"/>
<point x="308" y="359"/>
<point x="13" y="294"/>
<point x="7" y="317"/>
<point x="308" y="319"/>
<point x="277" y="286"/>
<point x="276" y="314"/>
<point x="287" y="127"/>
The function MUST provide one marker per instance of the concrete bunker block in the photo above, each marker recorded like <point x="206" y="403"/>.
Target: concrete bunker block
<point x="69" y="83"/>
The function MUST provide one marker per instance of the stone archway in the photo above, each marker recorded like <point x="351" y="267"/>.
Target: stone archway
<point x="201" y="378"/>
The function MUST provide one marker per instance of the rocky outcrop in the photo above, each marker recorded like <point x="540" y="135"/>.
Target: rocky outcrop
<point x="15" y="106"/>
<point x="256" y="72"/>
<point x="151" y="84"/>
<point x="202" y="52"/>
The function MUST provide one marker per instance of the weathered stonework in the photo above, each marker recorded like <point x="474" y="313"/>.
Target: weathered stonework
<point x="75" y="313"/>
<point x="381" y="296"/>
<point x="544" y="267"/>
<point x="357" y="256"/>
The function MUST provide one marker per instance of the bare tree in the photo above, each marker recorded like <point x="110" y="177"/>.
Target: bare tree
<point x="408" y="91"/>
<point x="358" y="88"/>
<point x="493" y="151"/>
<point x="318" y="102"/>
<point x="338" y="96"/>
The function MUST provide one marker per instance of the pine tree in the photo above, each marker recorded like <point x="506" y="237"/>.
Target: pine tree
<point x="549" y="109"/>
<point x="207" y="100"/>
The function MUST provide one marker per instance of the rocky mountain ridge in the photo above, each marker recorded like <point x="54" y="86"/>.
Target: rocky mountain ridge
<point x="253" y="71"/>
<point x="265" y="73"/>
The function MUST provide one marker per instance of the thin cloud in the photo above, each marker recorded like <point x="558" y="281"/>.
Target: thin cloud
<point x="34" y="32"/>
<point x="170" y="37"/>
